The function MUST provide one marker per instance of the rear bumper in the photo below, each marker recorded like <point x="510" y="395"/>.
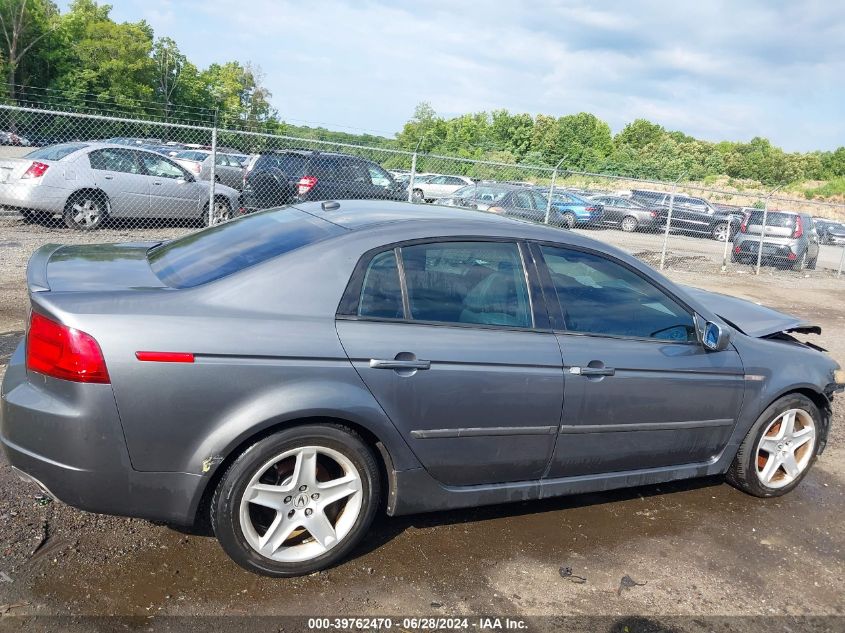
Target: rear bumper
<point x="68" y="438"/>
<point x="772" y="251"/>
<point x="32" y="197"/>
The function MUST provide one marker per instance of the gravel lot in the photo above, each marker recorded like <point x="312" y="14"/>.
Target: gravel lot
<point x="701" y="548"/>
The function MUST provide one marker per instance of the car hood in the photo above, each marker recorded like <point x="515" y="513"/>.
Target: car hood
<point x="752" y="318"/>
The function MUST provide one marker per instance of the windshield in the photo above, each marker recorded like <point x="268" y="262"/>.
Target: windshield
<point x="56" y="152"/>
<point x="227" y="248"/>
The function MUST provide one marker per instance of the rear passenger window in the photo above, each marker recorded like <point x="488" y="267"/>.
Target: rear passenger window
<point x="467" y="282"/>
<point x="381" y="293"/>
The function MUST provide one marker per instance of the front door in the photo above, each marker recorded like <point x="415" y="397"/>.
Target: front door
<point x="455" y="361"/>
<point x="173" y="193"/>
<point x="640" y="391"/>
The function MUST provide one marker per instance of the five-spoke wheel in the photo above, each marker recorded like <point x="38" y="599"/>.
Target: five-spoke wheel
<point x="296" y="501"/>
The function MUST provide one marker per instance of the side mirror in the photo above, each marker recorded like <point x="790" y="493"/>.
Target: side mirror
<point x="187" y="178"/>
<point x="712" y="336"/>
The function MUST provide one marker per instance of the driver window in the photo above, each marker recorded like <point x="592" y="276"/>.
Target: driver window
<point x="160" y="167"/>
<point x="599" y="296"/>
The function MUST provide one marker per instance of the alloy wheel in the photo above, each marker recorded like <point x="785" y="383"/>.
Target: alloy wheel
<point x="629" y="224"/>
<point x="721" y="232"/>
<point x="86" y="213"/>
<point x="786" y="448"/>
<point x="301" y="504"/>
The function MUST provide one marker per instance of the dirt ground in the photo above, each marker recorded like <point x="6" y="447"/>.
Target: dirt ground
<point x="699" y="548"/>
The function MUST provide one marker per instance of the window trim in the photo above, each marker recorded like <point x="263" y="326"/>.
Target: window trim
<point x="554" y="308"/>
<point x="537" y="304"/>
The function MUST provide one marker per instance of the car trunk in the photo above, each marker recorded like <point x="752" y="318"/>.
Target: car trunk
<point x="11" y="169"/>
<point x="91" y="267"/>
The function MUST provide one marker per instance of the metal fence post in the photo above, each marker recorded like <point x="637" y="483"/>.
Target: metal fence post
<point x="763" y="228"/>
<point x="841" y="262"/>
<point x="668" y="222"/>
<point x="552" y="190"/>
<point x="413" y="175"/>
<point x="212" y="174"/>
<point x="727" y="243"/>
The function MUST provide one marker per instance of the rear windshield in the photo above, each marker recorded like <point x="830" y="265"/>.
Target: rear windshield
<point x="56" y="152"/>
<point x="773" y="219"/>
<point x="292" y="165"/>
<point x="227" y="248"/>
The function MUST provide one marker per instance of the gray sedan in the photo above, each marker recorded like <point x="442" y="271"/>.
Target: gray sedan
<point x="628" y="214"/>
<point x="289" y="374"/>
<point x="88" y="182"/>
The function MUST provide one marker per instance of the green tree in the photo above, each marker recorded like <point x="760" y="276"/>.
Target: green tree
<point x="638" y="134"/>
<point x="25" y="25"/>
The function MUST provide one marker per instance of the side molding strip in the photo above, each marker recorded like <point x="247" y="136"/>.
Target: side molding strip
<point x="645" y="426"/>
<point x="484" y="431"/>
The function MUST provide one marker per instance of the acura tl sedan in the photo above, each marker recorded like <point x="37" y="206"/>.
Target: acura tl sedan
<point x="292" y="373"/>
<point x="88" y="182"/>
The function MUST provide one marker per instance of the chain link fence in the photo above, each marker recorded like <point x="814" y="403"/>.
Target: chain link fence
<point x="77" y="176"/>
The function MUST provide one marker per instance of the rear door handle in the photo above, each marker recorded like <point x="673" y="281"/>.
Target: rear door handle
<point x="399" y="364"/>
<point x="593" y="371"/>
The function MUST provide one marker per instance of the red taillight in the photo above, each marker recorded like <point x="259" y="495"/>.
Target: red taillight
<point x="165" y="357"/>
<point x="63" y="352"/>
<point x="737" y="250"/>
<point x="744" y="226"/>
<point x="591" y="209"/>
<point x="36" y="170"/>
<point x="792" y="257"/>
<point x="653" y="214"/>
<point x="305" y="184"/>
<point x="198" y="167"/>
<point x="799" y="228"/>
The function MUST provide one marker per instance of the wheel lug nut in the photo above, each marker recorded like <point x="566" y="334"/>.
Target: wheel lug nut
<point x="288" y="498"/>
<point x="308" y="512"/>
<point x="315" y="496"/>
<point x="303" y="488"/>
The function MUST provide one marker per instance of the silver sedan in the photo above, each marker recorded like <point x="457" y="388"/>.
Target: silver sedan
<point x="87" y="182"/>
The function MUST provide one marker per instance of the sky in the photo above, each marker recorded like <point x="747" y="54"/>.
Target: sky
<point x="715" y="69"/>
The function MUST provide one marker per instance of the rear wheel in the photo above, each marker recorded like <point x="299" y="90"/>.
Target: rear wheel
<point x="721" y="232"/>
<point x="418" y="196"/>
<point x="297" y="501"/>
<point x="86" y="211"/>
<point x="629" y="224"/>
<point x="779" y="449"/>
<point x="812" y="263"/>
<point x="569" y="220"/>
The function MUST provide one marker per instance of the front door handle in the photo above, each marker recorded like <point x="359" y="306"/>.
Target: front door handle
<point x="376" y="363"/>
<point x="593" y="371"/>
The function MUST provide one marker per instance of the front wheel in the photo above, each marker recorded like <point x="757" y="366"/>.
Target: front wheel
<point x="779" y="449"/>
<point x="298" y="501"/>
<point x="221" y="213"/>
<point x="569" y="220"/>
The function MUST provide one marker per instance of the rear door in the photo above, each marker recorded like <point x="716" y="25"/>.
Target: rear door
<point x="458" y="357"/>
<point x="119" y="173"/>
<point x="640" y="391"/>
<point x="229" y="171"/>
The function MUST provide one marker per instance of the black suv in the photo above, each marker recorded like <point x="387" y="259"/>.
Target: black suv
<point x="692" y="215"/>
<point x="281" y="177"/>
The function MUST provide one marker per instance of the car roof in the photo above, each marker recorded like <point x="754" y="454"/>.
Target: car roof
<point x="312" y="152"/>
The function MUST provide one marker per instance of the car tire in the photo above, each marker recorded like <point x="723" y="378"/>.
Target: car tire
<point x="801" y="263"/>
<point x="86" y="211"/>
<point x="721" y="232"/>
<point x="222" y="212"/>
<point x="569" y="220"/>
<point x="811" y="265"/>
<point x="629" y="224"/>
<point x="417" y="196"/>
<point x="339" y="454"/>
<point x="749" y="473"/>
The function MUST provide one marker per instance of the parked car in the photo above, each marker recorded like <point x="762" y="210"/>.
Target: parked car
<point x="227" y="169"/>
<point x="10" y="138"/>
<point x="438" y="186"/>
<point x="691" y="215"/>
<point x="287" y="375"/>
<point x="830" y="231"/>
<point x="571" y="210"/>
<point x="88" y="182"/>
<point x="503" y="199"/>
<point x="790" y="239"/>
<point x="281" y="177"/>
<point x="628" y="214"/>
